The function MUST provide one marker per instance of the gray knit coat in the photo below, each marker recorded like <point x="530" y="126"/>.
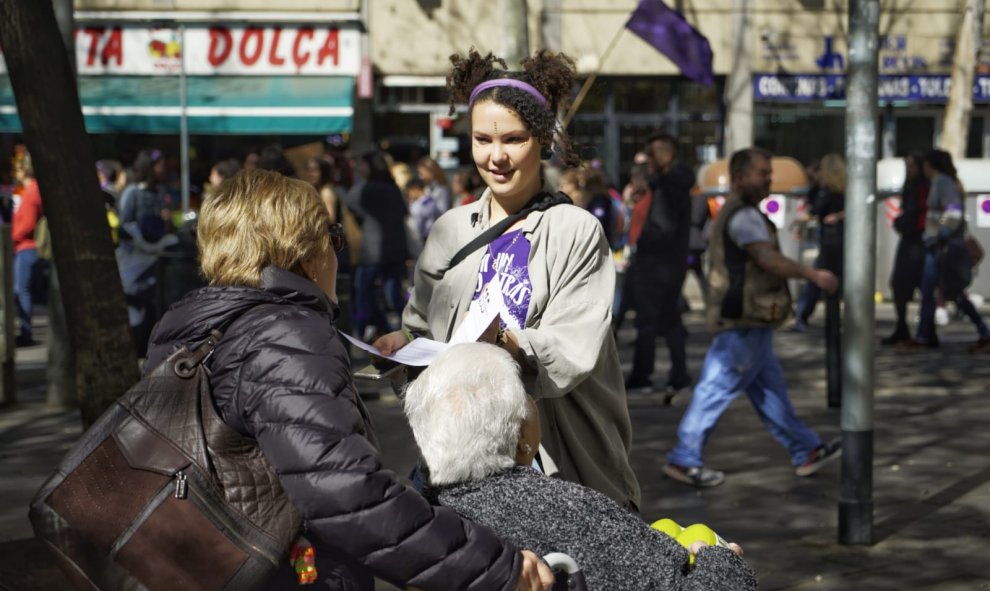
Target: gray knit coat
<point x="615" y="549"/>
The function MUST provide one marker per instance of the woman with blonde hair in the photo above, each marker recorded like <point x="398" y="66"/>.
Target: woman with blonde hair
<point x="828" y="205"/>
<point x="281" y="376"/>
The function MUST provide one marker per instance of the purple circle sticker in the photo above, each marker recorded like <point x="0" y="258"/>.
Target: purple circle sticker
<point x="773" y="206"/>
<point x="985" y="206"/>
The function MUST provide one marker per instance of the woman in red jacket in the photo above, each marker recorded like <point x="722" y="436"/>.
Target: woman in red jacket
<point x="27" y="212"/>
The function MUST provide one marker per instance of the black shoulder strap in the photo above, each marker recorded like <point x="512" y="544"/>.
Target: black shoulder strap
<point x="189" y="358"/>
<point x="542" y="202"/>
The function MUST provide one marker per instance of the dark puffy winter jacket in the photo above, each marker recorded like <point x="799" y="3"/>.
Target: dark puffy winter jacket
<point x="281" y="375"/>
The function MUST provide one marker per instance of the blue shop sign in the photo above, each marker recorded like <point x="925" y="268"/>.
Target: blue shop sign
<point x="817" y="87"/>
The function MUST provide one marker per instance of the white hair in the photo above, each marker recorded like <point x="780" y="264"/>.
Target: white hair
<point x="465" y="411"/>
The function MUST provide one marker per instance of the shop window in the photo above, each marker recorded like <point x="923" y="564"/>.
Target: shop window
<point x="804" y="134"/>
<point x="643" y="96"/>
<point x="698" y="98"/>
<point x="595" y="100"/>
<point x="588" y="138"/>
<point x="914" y="134"/>
<point x="974" y="144"/>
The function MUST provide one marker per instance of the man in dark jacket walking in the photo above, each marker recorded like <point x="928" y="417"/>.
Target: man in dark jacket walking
<point x="660" y="266"/>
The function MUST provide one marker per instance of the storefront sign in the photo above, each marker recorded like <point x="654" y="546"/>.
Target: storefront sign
<point x="816" y="87"/>
<point x="219" y="50"/>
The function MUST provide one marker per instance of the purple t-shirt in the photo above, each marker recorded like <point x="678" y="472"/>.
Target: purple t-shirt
<point x="510" y="253"/>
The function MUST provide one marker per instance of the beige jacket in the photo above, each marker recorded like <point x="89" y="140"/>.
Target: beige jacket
<point x="741" y="294"/>
<point x="567" y="338"/>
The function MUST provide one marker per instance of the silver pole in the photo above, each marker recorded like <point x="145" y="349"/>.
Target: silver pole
<point x="183" y="122"/>
<point x="856" y="490"/>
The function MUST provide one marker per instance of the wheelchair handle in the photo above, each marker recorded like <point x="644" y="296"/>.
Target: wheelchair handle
<point x="561" y="561"/>
<point x="569" y="575"/>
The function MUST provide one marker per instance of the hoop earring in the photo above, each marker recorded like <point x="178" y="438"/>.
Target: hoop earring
<point x="314" y="277"/>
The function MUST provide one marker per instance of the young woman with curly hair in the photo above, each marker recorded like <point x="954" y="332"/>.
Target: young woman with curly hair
<point x="554" y="266"/>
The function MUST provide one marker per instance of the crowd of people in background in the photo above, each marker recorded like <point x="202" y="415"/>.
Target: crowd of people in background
<point x="658" y="217"/>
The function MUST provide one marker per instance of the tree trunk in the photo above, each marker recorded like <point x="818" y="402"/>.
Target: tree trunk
<point x="61" y="373"/>
<point x="955" y="123"/>
<point x="48" y="106"/>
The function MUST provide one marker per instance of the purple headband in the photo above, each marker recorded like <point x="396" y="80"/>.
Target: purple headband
<point x="507" y="82"/>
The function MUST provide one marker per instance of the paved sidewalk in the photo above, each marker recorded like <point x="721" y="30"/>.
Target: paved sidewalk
<point x="33" y="438"/>
<point x="931" y="470"/>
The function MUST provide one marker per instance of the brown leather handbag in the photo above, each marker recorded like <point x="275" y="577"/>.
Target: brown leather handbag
<point x="160" y="494"/>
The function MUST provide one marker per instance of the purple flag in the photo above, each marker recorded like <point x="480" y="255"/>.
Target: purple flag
<point x="667" y="31"/>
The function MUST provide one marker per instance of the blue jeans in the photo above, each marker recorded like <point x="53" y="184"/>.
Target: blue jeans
<point x="930" y="276"/>
<point x="741" y="360"/>
<point x="367" y="310"/>
<point x="24" y="262"/>
<point x="966" y="307"/>
<point x="926" y="313"/>
<point x="807" y="301"/>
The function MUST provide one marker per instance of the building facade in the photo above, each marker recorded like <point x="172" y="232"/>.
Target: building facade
<point x="374" y="71"/>
<point x="795" y="53"/>
<point x="241" y="74"/>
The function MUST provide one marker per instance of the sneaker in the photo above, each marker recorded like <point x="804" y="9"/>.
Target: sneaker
<point x="639" y="386"/>
<point x="798" y="326"/>
<point x="672" y="388"/>
<point x="981" y="346"/>
<point x="697" y="476"/>
<point x="822" y="455"/>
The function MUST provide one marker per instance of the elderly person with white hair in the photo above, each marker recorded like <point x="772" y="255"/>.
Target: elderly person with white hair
<point x="478" y="432"/>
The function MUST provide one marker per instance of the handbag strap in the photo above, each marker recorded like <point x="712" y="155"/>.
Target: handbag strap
<point x="541" y="202"/>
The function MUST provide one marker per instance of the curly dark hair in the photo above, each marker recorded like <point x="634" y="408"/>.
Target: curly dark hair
<point x="552" y="74"/>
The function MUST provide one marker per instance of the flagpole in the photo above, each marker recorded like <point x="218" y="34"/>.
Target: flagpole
<point x="590" y="80"/>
